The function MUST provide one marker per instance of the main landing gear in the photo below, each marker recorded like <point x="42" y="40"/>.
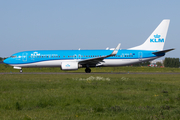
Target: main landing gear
<point x="20" y="70"/>
<point x="87" y="70"/>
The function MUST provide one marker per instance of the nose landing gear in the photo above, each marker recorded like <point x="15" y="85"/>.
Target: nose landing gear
<point x="20" y="70"/>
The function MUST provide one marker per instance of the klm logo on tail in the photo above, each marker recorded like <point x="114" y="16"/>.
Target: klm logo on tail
<point x="157" y="39"/>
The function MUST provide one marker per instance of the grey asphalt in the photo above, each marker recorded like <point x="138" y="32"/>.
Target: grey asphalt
<point x="89" y="73"/>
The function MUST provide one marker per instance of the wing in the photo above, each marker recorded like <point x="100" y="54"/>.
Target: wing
<point x="99" y="59"/>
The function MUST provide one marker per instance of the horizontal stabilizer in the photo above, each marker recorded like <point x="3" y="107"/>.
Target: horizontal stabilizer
<point x="163" y="51"/>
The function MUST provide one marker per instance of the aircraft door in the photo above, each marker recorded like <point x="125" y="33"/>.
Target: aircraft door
<point x="140" y="56"/>
<point x="75" y="57"/>
<point x="79" y="56"/>
<point x="24" y="57"/>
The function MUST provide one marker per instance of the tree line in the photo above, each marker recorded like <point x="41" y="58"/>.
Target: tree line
<point x="168" y="62"/>
<point x="1" y="59"/>
<point x="171" y="62"/>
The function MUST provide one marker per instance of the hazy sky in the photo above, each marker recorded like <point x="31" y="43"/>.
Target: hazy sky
<point x="86" y="24"/>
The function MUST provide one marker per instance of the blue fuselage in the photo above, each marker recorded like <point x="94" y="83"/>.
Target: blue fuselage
<point x="27" y="58"/>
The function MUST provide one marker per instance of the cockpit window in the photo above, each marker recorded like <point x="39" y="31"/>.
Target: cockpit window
<point x="14" y="56"/>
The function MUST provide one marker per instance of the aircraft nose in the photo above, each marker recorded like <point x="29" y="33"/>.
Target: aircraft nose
<point x="7" y="61"/>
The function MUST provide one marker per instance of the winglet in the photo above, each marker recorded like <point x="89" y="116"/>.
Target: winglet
<point x="116" y="49"/>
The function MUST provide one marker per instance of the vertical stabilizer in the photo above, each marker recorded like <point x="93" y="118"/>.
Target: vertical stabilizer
<point x="157" y="39"/>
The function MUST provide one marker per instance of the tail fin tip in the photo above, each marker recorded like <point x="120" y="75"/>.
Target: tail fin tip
<point x="157" y="39"/>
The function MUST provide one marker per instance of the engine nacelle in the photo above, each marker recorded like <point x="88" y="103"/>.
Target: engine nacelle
<point x="69" y="65"/>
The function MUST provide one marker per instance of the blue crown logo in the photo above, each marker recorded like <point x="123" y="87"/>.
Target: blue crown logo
<point x="157" y="39"/>
<point x="157" y="36"/>
<point x="67" y="65"/>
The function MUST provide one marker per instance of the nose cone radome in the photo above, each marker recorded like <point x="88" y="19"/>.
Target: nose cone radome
<point x="7" y="61"/>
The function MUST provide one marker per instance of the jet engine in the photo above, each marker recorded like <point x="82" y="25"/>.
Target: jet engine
<point x="69" y="65"/>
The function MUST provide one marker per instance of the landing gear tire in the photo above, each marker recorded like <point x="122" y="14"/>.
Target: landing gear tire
<point x="88" y="70"/>
<point x="21" y="71"/>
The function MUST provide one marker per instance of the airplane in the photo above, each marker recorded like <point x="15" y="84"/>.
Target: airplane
<point x="151" y="49"/>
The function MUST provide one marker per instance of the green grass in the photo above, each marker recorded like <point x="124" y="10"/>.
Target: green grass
<point x="89" y="96"/>
<point x="7" y="68"/>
